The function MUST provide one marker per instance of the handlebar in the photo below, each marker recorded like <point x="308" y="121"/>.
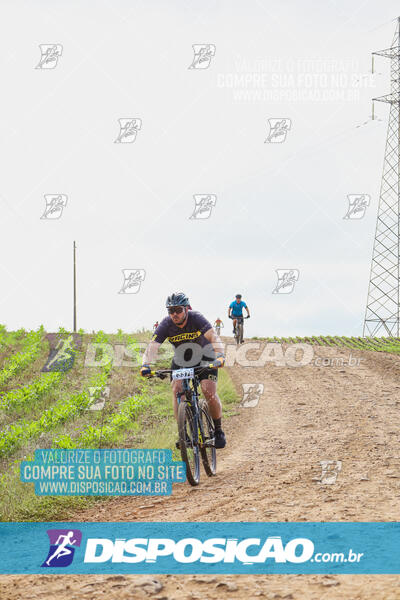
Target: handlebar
<point x="162" y="373"/>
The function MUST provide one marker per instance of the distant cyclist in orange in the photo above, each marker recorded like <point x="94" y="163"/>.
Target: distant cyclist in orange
<point x="218" y="324"/>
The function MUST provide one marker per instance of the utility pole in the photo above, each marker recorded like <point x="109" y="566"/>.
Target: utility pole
<point x="74" y="253"/>
<point x="382" y="315"/>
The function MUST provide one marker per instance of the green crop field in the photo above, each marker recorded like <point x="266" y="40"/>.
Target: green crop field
<point x="375" y="344"/>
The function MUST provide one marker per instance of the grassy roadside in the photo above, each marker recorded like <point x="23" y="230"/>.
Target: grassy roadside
<point x="153" y="427"/>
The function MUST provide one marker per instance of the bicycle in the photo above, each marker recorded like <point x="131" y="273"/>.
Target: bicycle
<point x="218" y="329"/>
<point x="238" y="333"/>
<point x="195" y="425"/>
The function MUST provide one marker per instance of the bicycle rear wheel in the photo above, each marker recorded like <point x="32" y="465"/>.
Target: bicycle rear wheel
<point x="188" y="443"/>
<point x="207" y="447"/>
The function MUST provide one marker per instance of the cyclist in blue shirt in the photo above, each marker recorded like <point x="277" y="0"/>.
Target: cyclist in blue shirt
<point x="236" y="309"/>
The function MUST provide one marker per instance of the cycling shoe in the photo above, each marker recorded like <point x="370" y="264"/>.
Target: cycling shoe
<point x="220" y="440"/>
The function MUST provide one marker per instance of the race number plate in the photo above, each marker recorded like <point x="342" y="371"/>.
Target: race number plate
<point x="183" y="374"/>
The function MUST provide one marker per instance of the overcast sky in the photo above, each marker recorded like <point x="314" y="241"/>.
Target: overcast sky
<point x="201" y="131"/>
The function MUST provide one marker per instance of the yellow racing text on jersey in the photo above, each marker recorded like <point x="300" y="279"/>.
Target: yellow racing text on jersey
<point x="184" y="336"/>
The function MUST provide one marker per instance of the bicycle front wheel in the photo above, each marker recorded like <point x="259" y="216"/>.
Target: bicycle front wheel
<point x="207" y="445"/>
<point x="239" y="332"/>
<point x="188" y="443"/>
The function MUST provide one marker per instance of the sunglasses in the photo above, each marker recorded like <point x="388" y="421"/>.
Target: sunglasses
<point x="173" y="309"/>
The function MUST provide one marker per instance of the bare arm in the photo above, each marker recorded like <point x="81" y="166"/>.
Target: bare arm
<point x="248" y="312"/>
<point x="151" y="352"/>
<point x="215" y="340"/>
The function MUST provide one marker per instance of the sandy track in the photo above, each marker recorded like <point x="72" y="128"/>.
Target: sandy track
<point x="270" y="471"/>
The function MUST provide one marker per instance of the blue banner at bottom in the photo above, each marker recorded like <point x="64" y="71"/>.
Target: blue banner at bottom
<point x="193" y="548"/>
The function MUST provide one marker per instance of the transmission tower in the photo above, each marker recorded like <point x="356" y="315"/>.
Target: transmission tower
<point x="382" y="315"/>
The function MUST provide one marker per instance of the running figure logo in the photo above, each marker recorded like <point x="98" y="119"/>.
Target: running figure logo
<point x="128" y="129"/>
<point x="132" y="280"/>
<point x="330" y="471"/>
<point x="98" y="396"/>
<point x="278" y="129"/>
<point x="286" y="280"/>
<point x="203" y="54"/>
<point x="55" y="203"/>
<point x="203" y="205"/>
<point x="357" y="206"/>
<point x="50" y="54"/>
<point x="61" y="551"/>
<point x="62" y="352"/>
<point x="251" y="394"/>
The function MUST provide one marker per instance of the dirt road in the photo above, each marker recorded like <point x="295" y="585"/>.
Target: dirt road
<point x="271" y="471"/>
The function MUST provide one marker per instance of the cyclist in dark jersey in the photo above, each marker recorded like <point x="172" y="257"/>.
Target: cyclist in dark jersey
<point x="196" y="344"/>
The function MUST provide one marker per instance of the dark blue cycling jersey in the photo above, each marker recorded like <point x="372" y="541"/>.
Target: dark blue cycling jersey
<point x="194" y="330"/>
<point x="192" y="336"/>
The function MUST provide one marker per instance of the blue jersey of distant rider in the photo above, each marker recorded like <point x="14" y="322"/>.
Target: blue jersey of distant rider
<point x="237" y="308"/>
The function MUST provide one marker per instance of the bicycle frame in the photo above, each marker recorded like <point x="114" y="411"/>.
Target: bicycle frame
<point x="190" y="390"/>
<point x="192" y="413"/>
<point x="239" y="321"/>
<point x="191" y="396"/>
